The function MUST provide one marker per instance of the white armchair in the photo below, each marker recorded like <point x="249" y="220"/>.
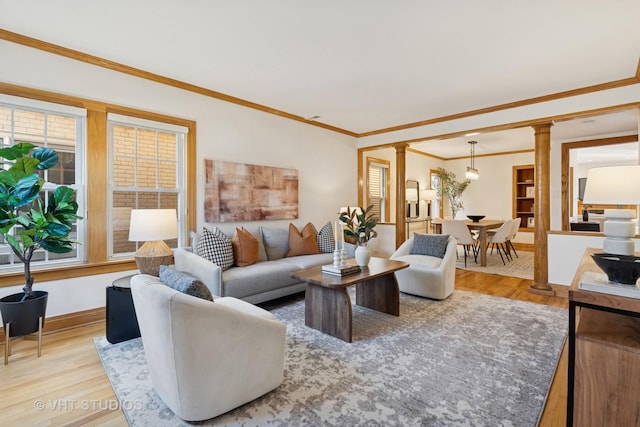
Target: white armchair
<point x="202" y="269"/>
<point x="427" y="276"/>
<point x="206" y="358"/>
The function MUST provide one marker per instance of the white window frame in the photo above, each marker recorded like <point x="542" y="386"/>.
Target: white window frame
<point x="79" y="114"/>
<point x="181" y="132"/>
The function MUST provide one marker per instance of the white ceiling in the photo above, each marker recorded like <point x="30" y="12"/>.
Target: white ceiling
<point x="361" y="65"/>
<point x="624" y="122"/>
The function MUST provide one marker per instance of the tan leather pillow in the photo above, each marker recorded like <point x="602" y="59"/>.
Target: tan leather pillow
<point x="245" y="247"/>
<point x="304" y="243"/>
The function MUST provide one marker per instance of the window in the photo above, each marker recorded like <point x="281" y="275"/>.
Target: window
<point x="146" y="170"/>
<point x="378" y="187"/>
<point x="58" y="127"/>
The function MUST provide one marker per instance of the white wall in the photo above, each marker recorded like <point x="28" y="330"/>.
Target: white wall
<point x="492" y="194"/>
<point x="326" y="161"/>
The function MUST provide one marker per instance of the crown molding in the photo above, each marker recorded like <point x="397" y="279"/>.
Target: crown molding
<point x="122" y="68"/>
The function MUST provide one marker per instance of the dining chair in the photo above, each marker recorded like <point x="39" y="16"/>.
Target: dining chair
<point x="458" y="228"/>
<point x="515" y="227"/>
<point x="499" y="240"/>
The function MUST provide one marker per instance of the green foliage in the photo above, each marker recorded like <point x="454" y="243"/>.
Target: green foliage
<point x="359" y="224"/>
<point x="452" y="190"/>
<point x="22" y="210"/>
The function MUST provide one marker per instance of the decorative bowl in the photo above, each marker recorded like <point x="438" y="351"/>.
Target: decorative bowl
<point x="475" y="218"/>
<point x="624" y="269"/>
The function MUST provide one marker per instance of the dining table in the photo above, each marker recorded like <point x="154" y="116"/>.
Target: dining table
<point x="481" y="226"/>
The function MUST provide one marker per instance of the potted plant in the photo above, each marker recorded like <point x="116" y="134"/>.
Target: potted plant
<point x="27" y="224"/>
<point x="452" y="190"/>
<point x="359" y="229"/>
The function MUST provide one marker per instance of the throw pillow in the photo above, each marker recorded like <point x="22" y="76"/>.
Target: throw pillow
<point x="194" y="240"/>
<point x="216" y="247"/>
<point x="184" y="282"/>
<point x="276" y="242"/>
<point x="302" y="243"/>
<point x="245" y="247"/>
<point x="326" y="241"/>
<point x="429" y="244"/>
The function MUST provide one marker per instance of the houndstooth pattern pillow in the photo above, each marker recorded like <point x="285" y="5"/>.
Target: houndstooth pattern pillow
<point x="216" y="246"/>
<point x="326" y="242"/>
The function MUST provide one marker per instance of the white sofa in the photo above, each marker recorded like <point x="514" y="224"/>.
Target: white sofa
<point x="206" y="358"/>
<point x="427" y="276"/>
<point x="265" y="280"/>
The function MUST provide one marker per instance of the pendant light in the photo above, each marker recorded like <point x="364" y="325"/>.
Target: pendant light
<point x="472" y="172"/>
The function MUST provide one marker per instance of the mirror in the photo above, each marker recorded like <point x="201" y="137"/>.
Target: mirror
<point x="412" y="198"/>
<point x="578" y="158"/>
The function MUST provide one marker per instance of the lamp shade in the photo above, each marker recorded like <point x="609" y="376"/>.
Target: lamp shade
<point x="412" y="194"/>
<point x="153" y="224"/>
<point x="613" y="185"/>
<point x="428" y="195"/>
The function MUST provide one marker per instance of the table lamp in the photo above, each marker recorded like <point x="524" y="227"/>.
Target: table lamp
<point x="411" y="196"/>
<point x="616" y="185"/>
<point x="427" y="195"/>
<point x="153" y="226"/>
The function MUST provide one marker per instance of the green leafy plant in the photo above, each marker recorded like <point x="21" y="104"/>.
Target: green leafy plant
<point x="25" y="222"/>
<point x="359" y="224"/>
<point x="452" y="189"/>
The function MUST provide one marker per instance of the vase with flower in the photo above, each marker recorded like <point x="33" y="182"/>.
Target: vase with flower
<point x="359" y="227"/>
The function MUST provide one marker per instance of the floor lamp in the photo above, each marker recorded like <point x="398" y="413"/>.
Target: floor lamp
<point x="153" y="226"/>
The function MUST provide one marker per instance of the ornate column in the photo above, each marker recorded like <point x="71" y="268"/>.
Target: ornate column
<point x="401" y="168"/>
<point x="542" y="209"/>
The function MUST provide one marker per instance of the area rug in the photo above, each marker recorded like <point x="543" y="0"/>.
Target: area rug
<point x="521" y="266"/>
<point x="471" y="360"/>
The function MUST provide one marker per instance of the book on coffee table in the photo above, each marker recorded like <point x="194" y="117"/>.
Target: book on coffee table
<point x="342" y="270"/>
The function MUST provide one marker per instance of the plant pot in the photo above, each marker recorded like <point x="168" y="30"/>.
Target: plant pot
<point x="363" y="255"/>
<point x="23" y="315"/>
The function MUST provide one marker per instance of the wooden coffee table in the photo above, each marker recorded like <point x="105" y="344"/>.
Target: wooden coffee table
<point x="327" y="302"/>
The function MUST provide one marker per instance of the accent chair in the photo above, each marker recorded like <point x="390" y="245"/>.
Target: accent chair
<point x="427" y="275"/>
<point x="206" y="358"/>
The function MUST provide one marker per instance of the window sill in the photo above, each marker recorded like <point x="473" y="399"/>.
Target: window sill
<point x="67" y="272"/>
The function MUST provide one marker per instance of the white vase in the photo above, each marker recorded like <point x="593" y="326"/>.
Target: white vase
<point x="363" y="255"/>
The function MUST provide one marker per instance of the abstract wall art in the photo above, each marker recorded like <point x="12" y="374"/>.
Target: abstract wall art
<point x="242" y="192"/>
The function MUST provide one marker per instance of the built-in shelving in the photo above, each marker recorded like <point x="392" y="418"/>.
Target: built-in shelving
<point x="524" y="195"/>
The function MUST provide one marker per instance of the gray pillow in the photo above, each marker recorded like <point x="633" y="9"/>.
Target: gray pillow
<point x="184" y="282"/>
<point x="429" y="244"/>
<point x="276" y="242"/>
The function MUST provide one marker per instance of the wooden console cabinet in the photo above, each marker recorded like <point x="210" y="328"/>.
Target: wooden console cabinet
<point x="604" y="355"/>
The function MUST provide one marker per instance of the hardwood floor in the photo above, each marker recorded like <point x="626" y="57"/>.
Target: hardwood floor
<point x="67" y="386"/>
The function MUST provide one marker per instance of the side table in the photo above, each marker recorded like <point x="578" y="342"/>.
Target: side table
<point x="122" y="323"/>
<point x="604" y="355"/>
<point x="426" y="221"/>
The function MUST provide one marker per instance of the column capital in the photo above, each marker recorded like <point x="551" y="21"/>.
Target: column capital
<point x="401" y="147"/>
<point x="541" y="128"/>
